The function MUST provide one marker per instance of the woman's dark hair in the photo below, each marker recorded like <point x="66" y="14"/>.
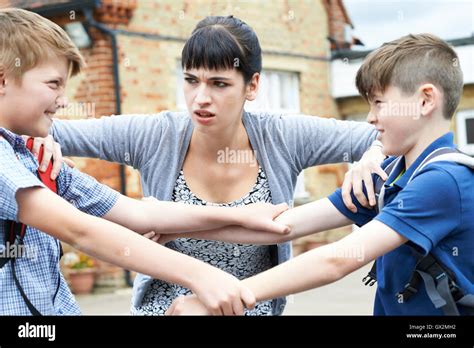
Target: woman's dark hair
<point x="223" y="43"/>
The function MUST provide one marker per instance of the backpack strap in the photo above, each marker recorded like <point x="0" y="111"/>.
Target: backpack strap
<point x="440" y="285"/>
<point x="371" y="278"/>
<point x="15" y="232"/>
<point x="380" y="187"/>
<point x="447" y="154"/>
<point x="440" y="282"/>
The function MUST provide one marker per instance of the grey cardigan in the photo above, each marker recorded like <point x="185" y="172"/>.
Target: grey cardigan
<point x="156" y="145"/>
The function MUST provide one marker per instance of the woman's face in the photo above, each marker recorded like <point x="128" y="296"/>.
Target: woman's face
<point x="215" y="98"/>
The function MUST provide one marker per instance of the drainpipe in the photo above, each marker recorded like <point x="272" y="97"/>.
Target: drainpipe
<point x="90" y="21"/>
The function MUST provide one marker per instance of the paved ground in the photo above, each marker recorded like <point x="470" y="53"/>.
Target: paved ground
<point x="346" y="297"/>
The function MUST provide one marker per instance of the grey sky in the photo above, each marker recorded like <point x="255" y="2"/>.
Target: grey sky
<point x="378" y="21"/>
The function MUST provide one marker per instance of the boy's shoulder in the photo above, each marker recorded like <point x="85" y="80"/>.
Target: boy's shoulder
<point x="7" y="151"/>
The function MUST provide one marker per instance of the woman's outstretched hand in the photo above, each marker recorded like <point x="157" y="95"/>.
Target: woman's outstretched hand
<point x="360" y="175"/>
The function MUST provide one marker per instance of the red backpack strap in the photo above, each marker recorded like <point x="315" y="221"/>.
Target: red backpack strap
<point x="46" y="176"/>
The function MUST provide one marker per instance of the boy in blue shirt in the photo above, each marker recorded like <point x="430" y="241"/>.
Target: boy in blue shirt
<point x="36" y="59"/>
<point x="423" y="232"/>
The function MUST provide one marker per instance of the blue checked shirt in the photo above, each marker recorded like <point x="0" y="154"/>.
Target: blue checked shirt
<point x="38" y="268"/>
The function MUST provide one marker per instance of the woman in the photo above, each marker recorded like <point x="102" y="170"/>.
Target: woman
<point x="179" y="155"/>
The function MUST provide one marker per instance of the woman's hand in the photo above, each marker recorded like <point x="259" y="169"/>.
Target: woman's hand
<point x="51" y="150"/>
<point x="260" y="216"/>
<point x="361" y="174"/>
<point x="187" y="305"/>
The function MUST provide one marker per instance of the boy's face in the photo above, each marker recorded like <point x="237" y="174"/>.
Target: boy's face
<point x="27" y="108"/>
<point x="397" y="118"/>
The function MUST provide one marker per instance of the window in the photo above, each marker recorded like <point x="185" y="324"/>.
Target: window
<point x="278" y="92"/>
<point x="465" y="131"/>
<point x="180" y="101"/>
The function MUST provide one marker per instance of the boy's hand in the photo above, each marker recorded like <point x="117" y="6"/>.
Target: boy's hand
<point x="187" y="305"/>
<point x="361" y="174"/>
<point x="222" y="293"/>
<point x="52" y="150"/>
<point x="160" y="238"/>
<point x="155" y="237"/>
<point x="260" y="216"/>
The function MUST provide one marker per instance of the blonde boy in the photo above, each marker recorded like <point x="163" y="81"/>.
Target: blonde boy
<point x="36" y="60"/>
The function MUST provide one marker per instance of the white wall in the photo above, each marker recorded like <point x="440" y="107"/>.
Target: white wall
<point x="343" y="72"/>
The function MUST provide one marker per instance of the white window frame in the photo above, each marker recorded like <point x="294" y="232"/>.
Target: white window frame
<point x="279" y="92"/>
<point x="461" y="118"/>
<point x="180" y="100"/>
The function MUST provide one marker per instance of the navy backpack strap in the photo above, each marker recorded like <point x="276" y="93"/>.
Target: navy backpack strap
<point x="371" y="278"/>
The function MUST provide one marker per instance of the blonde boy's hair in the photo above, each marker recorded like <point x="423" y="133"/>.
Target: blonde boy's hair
<point x="410" y="61"/>
<point x="27" y="39"/>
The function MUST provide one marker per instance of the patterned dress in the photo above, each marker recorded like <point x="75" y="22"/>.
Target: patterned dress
<point x="240" y="260"/>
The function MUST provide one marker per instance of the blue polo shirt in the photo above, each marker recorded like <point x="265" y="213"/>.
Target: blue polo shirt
<point x="435" y="212"/>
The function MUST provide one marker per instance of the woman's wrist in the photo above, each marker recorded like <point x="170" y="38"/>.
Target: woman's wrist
<point x="378" y="146"/>
<point x="377" y="143"/>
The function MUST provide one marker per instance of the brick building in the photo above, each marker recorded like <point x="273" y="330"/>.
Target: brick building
<point x="297" y="39"/>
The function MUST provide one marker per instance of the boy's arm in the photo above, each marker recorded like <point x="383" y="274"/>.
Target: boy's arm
<point x="44" y="210"/>
<point x="160" y="216"/>
<point x="326" y="264"/>
<point x="170" y="217"/>
<point x="306" y="219"/>
<point x="315" y="268"/>
<point x="416" y="214"/>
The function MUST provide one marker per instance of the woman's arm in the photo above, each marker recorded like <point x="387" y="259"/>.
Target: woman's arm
<point x="170" y="217"/>
<point x="122" y="139"/>
<point x="314" y="140"/>
<point x="307" y="219"/>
